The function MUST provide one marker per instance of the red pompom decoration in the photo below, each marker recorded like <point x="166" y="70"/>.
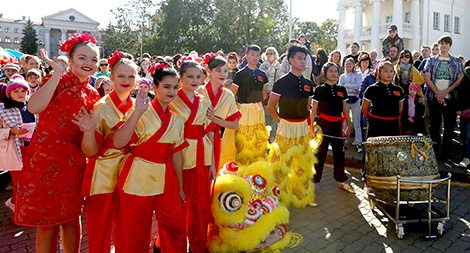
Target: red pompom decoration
<point x="182" y="59"/>
<point x="75" y="38"/>
<point x="209" y="57"/>
<point x="114" y="58"/>
<point x="160" y="65"/>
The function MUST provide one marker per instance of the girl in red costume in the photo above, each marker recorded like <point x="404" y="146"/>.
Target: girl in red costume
<point x="151" y="174"/>
<point x="224" y="111"/>
<point x="49" y="195"/>
<point x="102" y="171"/>
<point x="198" y="165"/>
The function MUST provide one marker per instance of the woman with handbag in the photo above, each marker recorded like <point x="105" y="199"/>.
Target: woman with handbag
<point x="13" y="113"/>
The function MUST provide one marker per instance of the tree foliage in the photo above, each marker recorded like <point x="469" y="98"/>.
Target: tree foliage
<point x="178" y="26"/>
<point x="29" y="43"/>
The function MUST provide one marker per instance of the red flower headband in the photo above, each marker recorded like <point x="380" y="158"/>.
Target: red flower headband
<point x="182" y="59"/>
<point x="114" y="58"/>
<point x="75" y="38"/>
<point x="160" y="65"/>
<point x="208" y="57"/>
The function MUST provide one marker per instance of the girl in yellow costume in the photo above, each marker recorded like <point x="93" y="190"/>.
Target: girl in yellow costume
<point x="251" y="138"/>
<point x="224" y="111"/>
<point x="292" y="156"/>
<point x="102" y="171"/>
<point x="198" y="164"/>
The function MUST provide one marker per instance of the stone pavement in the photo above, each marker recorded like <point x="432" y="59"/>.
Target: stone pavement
<point x="342" y="222"/>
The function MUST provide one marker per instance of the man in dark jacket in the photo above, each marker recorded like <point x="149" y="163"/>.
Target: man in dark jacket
<point x="392" y="39"/>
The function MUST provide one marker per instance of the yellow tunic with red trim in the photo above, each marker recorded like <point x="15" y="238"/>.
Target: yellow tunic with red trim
<point x="225" y="107"/>
<point x="102" y="171"/>
<point x="196" y="126"/>
<point x="145" y="171"/>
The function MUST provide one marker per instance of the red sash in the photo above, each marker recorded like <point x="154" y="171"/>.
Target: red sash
<point x="334" y="119"/>
<point x="153" y="151"/>
<point x="214" y="127"/>
<point x="388" y="118"/>
<point x="105" y="144"/>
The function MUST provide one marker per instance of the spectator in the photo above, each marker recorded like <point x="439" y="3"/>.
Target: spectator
<point x="144" y="68"/>
<point x="443" y="74"/>
<point x="103" y="68"/>
<point x="406" y="72"/>
<point x="33" y="77"/>
<point x="304" y="41"/>
<point x="232" y="61"/>
<point x="412" y="121"/>
<point x="320" y="60"/>
<point x="373" y="58"/>
<point x="416" y="59"/>
<point x="335" y="57"/>
<point x="354" y="52"/>
<point x="364" y="66"/>
<point x="390" y="40"/>
<point x="393" y="54"/>
<point x="463" y="110"/>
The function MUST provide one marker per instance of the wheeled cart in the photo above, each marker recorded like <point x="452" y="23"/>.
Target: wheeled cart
<point x="404" y="212"/>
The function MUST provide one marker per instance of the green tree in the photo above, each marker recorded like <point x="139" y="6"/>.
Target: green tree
<point x="29" y="43"/>
<point x="323" y="36"/>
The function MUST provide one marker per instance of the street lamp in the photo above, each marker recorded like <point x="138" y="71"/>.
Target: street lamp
<point x="290" y="20"/>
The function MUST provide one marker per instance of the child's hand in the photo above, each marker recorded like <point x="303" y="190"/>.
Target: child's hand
<point x="210" y="113"/>
<point x="347" y="132"/>
<point x="84" y="120"/>
<point x="55" y="64"/>
<point x="410" y="119"/>
<point x="18" y="131"/>
<point x="421" y="100"/>
<point x="141" y="102"/>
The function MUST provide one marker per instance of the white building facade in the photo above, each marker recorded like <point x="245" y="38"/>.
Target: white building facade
<point x="419" y="22"/>
<point x="51" y="32"/>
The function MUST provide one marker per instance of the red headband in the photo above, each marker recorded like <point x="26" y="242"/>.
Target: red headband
<point x="75" y="38"/>
<point x="114" y="58"/>
<point x="182" y="59"/>
<point x="160" y="65"/>
<point x="208" y="57"/>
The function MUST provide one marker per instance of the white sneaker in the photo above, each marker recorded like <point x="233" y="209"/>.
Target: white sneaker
<point x="359" y="148"/>
<point x="354" y="143"/>
<point x="10" y="205"/>
<point x="464" y="163"/>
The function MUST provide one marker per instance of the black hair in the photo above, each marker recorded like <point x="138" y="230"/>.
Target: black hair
<point x="357" y="44"/>
<point x="294" y="41"/>
<point x="86" y="43"/>
<point x="445" y="38"/>
<point x="253" y="48"/>
<point x="175" y="59"/>
<point x="406" y="51"/>
<point x="216" y="62"/>
<point x="320" y="61"/>
<point x="127" y="59"/>
<point x="189" y="64"/>
<point x="161" y="73"/>
<point x="294" y="49"/>
<point x="395" y="46"/>
<point x="327" y="66"/>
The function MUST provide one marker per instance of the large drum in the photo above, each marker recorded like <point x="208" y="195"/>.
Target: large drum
<point x="411" y="157"/>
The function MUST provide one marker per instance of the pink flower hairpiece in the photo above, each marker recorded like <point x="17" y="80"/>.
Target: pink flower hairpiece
<point x="160" y="65"/>
<point x="75" y="38"/>
<point x="114" y="58"/>
<point x="208" y="57"/>
<point x="182" y="59"/>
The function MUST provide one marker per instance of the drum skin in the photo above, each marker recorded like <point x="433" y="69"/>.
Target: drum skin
<point x="389" y="156"/>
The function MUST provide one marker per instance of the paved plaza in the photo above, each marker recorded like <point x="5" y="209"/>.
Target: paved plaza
<point x="342" y="222"/>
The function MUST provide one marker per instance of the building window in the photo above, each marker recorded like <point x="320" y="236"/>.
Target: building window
<point x="388" y="19"/>
<point x="72" y="18"/>
<point x="457" y="24"/>
<point x="16" y="30"/>
<point x="7" y="39"/>
<point x="7" y="29"/>
<point x="17" y="40"/>
<point x="407" y="17"/>
<point x="447" y="23"/>
<point x="435" y="20"/>
<point x="41" y="42"/>
<point x="41" y="32"/>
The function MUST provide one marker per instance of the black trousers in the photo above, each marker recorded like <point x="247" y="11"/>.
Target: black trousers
<point x="338" y="156"/>
<point x="437" y="111"/>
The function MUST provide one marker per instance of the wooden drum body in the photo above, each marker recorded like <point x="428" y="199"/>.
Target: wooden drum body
<point x="411" y="157"/>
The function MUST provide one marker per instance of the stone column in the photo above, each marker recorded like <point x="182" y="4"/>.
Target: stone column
<point x="342" y="18"/>
<point x="375" y="42"/>
<point x="63" y="37"/>
<point x="415" y="42"/>
<point x="398" y="15"/>
<point x="358" y="22"/>
<point x="47" y="39"/>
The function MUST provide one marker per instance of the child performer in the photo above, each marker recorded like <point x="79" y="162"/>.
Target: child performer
<point x="102" y="171"/>
<point x="412" y="121"/>
<point x="151" y="175"/>
<point x="251" y="138"/>
<point x="49" y="191"/>
<point x="224" y="111"/>
<point x="329" y="103"/>
<point x="198" y="164"/>
<point x="13" y="113"/>
<point x="292" y="155"/>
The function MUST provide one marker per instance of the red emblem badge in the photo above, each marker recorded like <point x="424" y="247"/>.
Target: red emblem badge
<point x="260" y="78"/>
<point x="306" y="88"/>
<point x="340" y="94"/>
<point x="396" y="93"/>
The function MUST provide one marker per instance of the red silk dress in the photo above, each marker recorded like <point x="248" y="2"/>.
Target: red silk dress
<point x="49" y="191"/>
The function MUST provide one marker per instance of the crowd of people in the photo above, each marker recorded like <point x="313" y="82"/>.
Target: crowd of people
<point x="129" y="137"/>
